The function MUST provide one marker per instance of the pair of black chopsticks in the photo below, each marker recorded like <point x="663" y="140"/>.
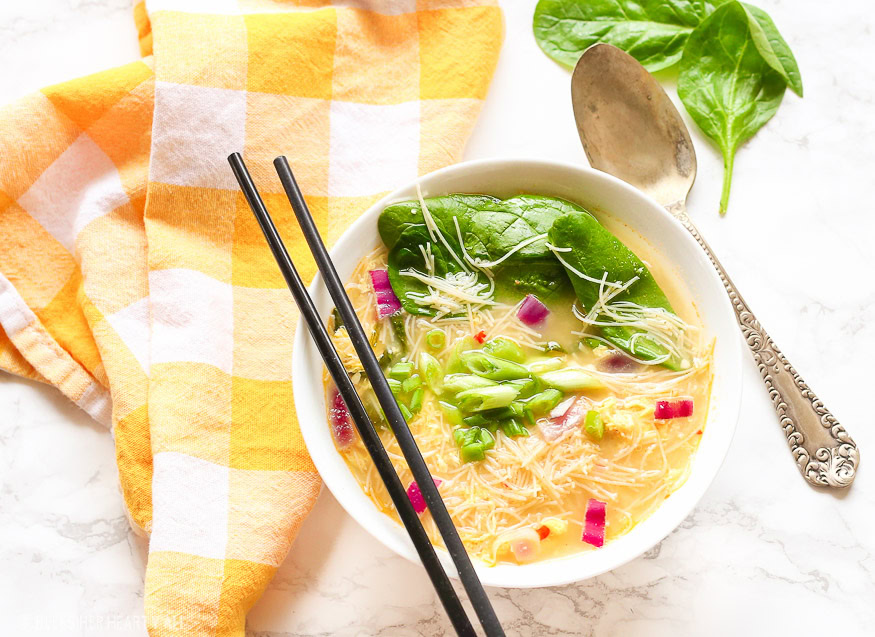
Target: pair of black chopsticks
<point x="446" y="593"/>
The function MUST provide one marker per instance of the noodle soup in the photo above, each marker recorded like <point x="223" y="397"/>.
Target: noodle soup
<point x="558" y="410"/>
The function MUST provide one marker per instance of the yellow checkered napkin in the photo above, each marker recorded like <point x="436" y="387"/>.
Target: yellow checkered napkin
<point x="134" y="278"/>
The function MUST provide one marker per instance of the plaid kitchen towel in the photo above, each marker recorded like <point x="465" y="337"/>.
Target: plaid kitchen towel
<point x="134" y="278"/>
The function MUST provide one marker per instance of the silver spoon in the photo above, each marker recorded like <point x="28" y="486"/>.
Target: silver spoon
<point x="630" y="129"/>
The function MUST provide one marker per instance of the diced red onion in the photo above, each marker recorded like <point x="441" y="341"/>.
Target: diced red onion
<point x="685" y="409"/>
<point x="387" y="302"/>
<point x="560" y="409"/>
<point x="341" y="422"/>
<point x="594" y="525"/>
<point x="617" y="362"/>
<point x="569" y="419"/>
<point x="576" y="413"/>
<point x="668" y="409"/>
<point x="416" y="497"/>
<point x="532" y="311"/>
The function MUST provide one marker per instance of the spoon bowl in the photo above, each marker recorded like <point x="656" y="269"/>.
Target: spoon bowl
<point x="629" y="127"/>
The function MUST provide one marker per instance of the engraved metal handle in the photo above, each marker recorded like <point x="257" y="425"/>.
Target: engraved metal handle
<point x="824" y="452"/>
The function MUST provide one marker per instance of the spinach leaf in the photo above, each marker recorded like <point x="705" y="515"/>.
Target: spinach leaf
<point x="594" y="251"/>
<point x="652" y="31"/>
<point x="496" y="232"/>
<point x="397" y="217"/>
<point x="405" y="254"/>
<point x="545" y="280"/>
<point x="726" y="85"/>
<point x="489" y="228"/>
<point x="774" y="49"/>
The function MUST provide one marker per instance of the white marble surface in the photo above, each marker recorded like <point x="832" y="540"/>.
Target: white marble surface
<point x="763" y="554"/>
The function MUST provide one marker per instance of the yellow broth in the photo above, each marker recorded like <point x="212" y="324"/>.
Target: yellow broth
<point x="525" y="481"/>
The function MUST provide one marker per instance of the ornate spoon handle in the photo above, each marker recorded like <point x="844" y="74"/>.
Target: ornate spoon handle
<point x="825" y="454"/>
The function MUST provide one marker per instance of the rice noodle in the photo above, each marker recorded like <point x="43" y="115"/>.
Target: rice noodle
<point x="525" y="480"/>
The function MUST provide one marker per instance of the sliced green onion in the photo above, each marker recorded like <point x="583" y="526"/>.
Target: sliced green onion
<point x="505" y="348"/>
<point x="454" y="383"/>
<point x="430" y="369"/>
<point x="405" y="411"/>
<point x="553" y="346"/>
<point x="544" y="365"/>
<point x="453" y="413"/>
<point x="513" y="428"/>
<point x="473" y="452"/>
<point x="475" y="420"/>
<point x="436" y="339"/>
<point x="493" y="368"/>
<point x="593" y="425"/>
<point x="416" y="400"/>
<point x="401" y="371"/>
<point x="517" y="408"/>
<point x="338" y="321"/>
<point x="544" y="402"/>
<point x="499" y="413"/>
<point x="397" y="322"/>
<point x="483" y="398"/>
<point x="525" y="386"/>
<point x="473" y="443"/>
<point x="385" y="360"/>
<point x="395" y="386"/>
<point x="454" y="363"/>
<point x="591" y="343"/>
<point x="571" y="380"/>
<point x="410" y="383"/>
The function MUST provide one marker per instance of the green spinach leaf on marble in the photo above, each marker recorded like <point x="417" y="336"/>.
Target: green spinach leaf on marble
<point x="727" y="86"/>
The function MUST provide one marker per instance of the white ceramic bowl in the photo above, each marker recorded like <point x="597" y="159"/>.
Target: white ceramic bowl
<point x="599" y="193"/>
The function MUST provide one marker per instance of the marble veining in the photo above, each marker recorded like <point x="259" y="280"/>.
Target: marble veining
<point x="762" y="554"/>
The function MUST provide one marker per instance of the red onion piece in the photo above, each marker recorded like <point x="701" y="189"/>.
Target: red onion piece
<point x="416" y="497"/>
<point x="668" y="409"/>
<point x="594" y="525"/>
<point x="341" y="422"/>
<point x="560" y="409"/>
<point x="571" y="418"/>
<point x="532" y="311"/>
<point x="387" y="302"/>
<point x="576" y="413"/>
<point x="685" y="408"/>
<point x="617" y="363"/>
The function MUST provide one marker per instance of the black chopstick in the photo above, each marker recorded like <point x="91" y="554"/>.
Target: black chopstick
<point x="366" y="430"/>
<point x="418" y="468"/>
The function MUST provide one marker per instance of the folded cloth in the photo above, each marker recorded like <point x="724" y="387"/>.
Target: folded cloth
<point x="134" y="278"/>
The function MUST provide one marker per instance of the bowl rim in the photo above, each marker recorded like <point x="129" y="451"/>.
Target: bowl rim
<point x="380" y="526"/>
